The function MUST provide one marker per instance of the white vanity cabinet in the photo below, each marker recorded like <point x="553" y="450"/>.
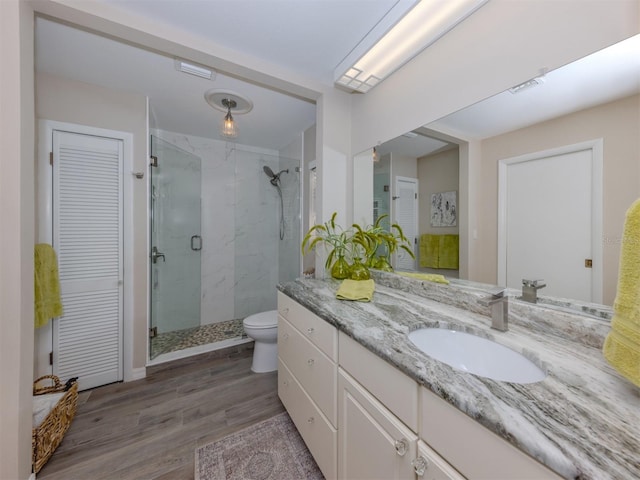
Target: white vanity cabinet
<point x="379" y="420"/>
<point x="372" y="442"/>
<point x="362" y="418"/>
<point x="307" y="379"/>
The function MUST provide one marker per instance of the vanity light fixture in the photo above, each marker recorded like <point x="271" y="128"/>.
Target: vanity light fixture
<point x="196" y="70"/>
<point x="375" y="58"/>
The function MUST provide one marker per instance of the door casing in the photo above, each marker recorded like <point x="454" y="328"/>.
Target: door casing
<point x="44" y="335"/>
<point x="596" y="148"/>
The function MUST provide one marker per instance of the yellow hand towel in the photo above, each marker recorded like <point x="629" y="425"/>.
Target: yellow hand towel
<point x="430" y="277"/>
<point x="46" y="285"/>
<point x="429" y="245"/>
<point x="360" y="290"/>
<point x="622" y="346"/>
<point x="448" y="249"/>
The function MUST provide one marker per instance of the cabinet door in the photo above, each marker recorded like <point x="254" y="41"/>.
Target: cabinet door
<point x="372" y="442"/>
<point x="430" y="466"/>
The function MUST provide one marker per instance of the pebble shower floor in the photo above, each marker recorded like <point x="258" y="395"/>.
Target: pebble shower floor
<point x="194" y="337"/>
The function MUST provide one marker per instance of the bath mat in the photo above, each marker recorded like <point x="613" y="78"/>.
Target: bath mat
<point x="269" y="450"/>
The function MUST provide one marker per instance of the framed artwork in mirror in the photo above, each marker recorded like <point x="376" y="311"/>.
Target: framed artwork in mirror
<point x="444" y="210"/>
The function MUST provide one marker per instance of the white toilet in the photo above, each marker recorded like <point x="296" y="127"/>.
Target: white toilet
<point x="263" y="328"/>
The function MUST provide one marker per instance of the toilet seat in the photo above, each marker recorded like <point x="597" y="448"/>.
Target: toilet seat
<point x="262" y="320"/>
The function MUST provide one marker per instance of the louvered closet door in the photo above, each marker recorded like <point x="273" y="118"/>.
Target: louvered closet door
<point x="87" y="236"/>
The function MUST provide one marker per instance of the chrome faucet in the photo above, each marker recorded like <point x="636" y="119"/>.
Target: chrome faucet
<point x="499" y="304"/>
<point x="530" y="290"/>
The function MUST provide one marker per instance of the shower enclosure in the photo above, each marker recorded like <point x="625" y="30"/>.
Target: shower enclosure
<point x="223" y="235"/>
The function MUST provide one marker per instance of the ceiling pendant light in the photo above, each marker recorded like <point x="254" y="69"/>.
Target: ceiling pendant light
<point x="229" y="126"/>
<point x="228" y="102"/>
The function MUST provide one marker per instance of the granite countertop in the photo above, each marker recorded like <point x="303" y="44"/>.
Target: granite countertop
<point x="582" y="421"/>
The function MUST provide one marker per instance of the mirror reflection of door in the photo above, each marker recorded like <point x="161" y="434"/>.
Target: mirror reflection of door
<point x="406" y="216"/>
<point x="550" y="219"/>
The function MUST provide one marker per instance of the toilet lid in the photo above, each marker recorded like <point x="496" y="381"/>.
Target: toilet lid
<point x="262" y="320"/>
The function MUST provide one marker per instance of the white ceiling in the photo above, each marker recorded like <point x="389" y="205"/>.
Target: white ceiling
<point x="308" y="37"/>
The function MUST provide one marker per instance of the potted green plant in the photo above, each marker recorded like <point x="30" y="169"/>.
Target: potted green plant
<point x="383" y="243"/>
<point x="337" y="242"/>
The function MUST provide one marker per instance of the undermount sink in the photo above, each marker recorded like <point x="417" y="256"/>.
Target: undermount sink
<point x="477" y="355"/>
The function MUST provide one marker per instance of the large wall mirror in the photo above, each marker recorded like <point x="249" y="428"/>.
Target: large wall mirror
<point x="533" y="182"/>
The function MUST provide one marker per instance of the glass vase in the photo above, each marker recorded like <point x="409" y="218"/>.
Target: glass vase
<point x="359" y="271"/>
<point x="382" y="263"/>
<point x="340" y="269"/>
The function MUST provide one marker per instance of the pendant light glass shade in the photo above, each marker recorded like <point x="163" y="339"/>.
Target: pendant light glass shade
<point x="229" y="128"/>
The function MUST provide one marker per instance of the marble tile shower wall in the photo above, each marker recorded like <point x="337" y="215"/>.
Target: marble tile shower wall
<point x="257" y="211"/>
<point x="239" y="242"/>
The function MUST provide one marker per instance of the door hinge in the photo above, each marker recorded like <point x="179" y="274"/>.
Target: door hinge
<point x="153" y="332"/>
<point x="588" y="263"/>
<point x="154" y="161"/>
<point x="416" y="195"/>
<point x="50" y="358"/>
<point x="50" y="158"/>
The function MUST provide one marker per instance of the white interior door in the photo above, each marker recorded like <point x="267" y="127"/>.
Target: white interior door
<point x="550" y="212"/>
<point x="88" y="238"/>
<point x="406" y="215"/>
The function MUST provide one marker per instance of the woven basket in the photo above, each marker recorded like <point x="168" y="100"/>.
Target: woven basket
<point x="48" y="435"/>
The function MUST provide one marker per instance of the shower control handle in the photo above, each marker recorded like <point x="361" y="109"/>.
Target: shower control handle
<point x="155" y="255"/>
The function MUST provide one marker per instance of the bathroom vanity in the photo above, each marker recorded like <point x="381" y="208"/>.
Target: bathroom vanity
<point x="370" y="404"/>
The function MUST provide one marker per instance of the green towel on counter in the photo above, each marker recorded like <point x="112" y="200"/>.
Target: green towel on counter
<point x="429" y="246"/>
<point x="359" y="290"/>
<point x="430" y="277"/>
<point x="448" y="251"/>
<point x="48" y="303"/>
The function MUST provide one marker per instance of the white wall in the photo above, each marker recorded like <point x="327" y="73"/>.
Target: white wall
<point x="16" y="238"/>
<point x="503" y="44"/>
<point x="437" y="173"/>
<point x="80" y="103"/>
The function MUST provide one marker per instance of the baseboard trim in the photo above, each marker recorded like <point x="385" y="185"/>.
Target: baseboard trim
<point x="138" y="374"/>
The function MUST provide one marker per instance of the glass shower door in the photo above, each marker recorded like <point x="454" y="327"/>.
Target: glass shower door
<point x="175" y="240"/>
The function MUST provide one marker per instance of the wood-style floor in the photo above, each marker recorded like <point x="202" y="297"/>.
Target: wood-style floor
<point x="150" y="428"/>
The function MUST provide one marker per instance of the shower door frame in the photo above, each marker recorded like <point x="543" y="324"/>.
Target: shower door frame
<point x="195" y="232"/>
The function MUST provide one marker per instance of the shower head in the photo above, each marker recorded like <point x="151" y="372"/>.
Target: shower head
<point x="268" y="171"/>
<point x="275" y="177"/>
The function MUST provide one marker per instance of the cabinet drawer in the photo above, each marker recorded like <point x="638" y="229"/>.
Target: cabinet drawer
<point x="435" y="468"/>
<point x="394" y="389"/>
<point x="475" y="451"/>
<point x="321" y="438"/>
<point x="317" y="374"/>
<point x="320" y="333"/>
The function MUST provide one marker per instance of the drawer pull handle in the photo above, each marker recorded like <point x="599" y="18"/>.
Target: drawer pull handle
<point x="285" y="311"/>
<point x="310" y="330"/>
<point x="311" y="361"/>
<point x="311" y="420"/>
<point x="420" y="465"/>
<point x="285" y="336"/>
<point x="285" y="383"/>
<point x="402" y="446"/>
